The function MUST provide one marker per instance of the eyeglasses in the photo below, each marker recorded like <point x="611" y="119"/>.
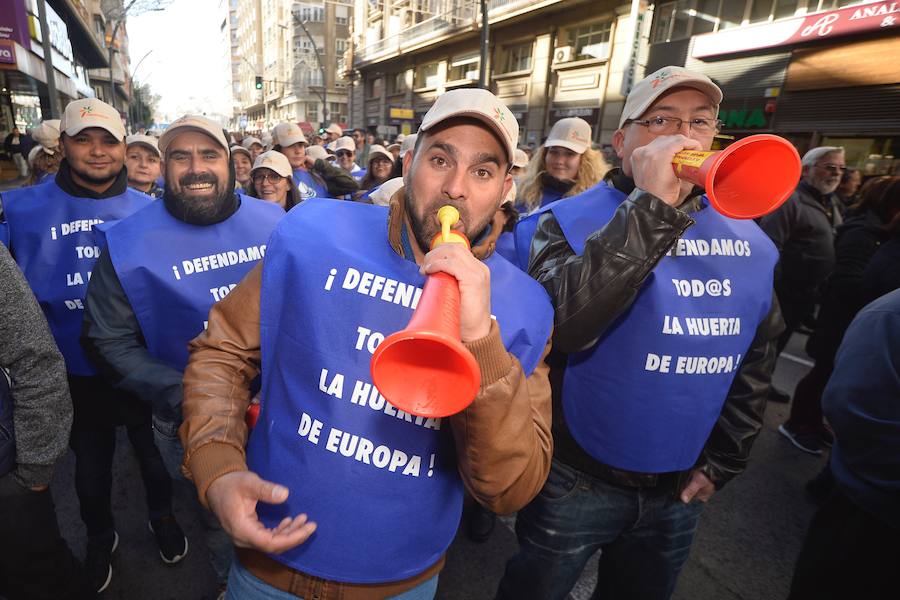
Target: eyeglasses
<point x="831" y="167"/>
<point x="340" y="153"/>
<point x="666" y="125"/>
<point x="262" y="177"/>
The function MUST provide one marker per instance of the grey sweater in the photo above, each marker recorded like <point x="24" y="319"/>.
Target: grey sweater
<point x="42" y="407"/>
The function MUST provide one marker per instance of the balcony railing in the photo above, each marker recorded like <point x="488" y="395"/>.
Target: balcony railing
<point x="464" y="14"/>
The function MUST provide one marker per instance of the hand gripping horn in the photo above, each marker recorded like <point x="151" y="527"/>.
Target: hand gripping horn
<point x="425" y="369"/>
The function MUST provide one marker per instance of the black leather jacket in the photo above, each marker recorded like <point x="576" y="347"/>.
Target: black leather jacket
<point x="592" y="290"/>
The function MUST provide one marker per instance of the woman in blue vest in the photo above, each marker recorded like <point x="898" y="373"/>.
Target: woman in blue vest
<point x="564" y="166"/>
<point x="384" y="487"/>
<point x="271" y="180"/>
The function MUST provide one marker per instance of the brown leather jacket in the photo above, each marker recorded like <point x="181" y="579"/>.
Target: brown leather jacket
<point x="503" y="440"/>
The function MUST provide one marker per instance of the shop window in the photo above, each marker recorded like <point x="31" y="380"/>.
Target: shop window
<point x="373" y="88"/>
<point x="590" y="41"/>
<point x="705" y="16"/>
<point x="785" y="8"/>
<point x="672" y="22"/>
<point x="464" y="67"/>
<point x="427" y="75"/>
<point x="517" y="58"/>
<point x="731" y="14"/>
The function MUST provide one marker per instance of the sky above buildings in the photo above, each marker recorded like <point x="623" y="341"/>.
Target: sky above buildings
<point x="187" y="64"/>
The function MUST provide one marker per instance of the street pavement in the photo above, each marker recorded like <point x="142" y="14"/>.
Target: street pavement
<point x="745" y="548"/>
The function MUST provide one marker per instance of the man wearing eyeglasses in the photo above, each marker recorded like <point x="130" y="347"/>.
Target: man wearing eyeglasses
<point x="803" y="229"/>
<point x="664" y="345"/>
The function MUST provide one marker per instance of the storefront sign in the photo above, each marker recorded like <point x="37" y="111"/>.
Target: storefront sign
<point x="835" y="23"/>
<point x="14" y="22"/>
<point x="588" y="114"/>
<point x="401" y="113"/>
<point x="743" y="118"/>
<point x="7" y="54"/>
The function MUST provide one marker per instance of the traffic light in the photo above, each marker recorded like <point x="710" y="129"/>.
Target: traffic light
<point x="259" y="82"/>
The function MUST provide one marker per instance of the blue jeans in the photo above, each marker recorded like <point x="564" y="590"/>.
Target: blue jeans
<point x="242" y="585"/>
<point x="645" y="538"/>
<point x="218" y="543"/>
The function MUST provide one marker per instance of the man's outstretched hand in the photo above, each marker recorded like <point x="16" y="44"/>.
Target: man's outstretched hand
<point x="233" y="498"/>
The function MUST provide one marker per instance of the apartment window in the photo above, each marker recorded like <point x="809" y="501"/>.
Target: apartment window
<point x="311" y="14"/>
<point x="341" y="15"/>
<point x="100" y="30"/>
<point x="340" y="46"/>
<point x="427" y="75"/>
<point x="396" y="83"/>
<point x="312" y="111"/>
<point x="337" y="111"/>
<point x="705" y="17"/>
<point x="464" y="67"/>
<point x="517" y="58"/>
<point x="590" y="41"/>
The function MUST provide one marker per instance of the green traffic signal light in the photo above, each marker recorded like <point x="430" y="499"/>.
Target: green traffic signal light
<point x="259" y="82"/>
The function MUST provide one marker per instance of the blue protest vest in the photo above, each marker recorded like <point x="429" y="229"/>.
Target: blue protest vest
<point x="308" y="186"/>
<point x="51" y="237"/>
<point x="647" y="395"/>
<point x="382" y="485"/>
<point x="173" y="272"/>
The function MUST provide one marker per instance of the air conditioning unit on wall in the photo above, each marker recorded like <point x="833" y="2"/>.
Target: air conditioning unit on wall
<point x="562" y="54"/>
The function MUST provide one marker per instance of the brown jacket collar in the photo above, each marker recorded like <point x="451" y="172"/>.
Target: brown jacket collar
<point x="397" y="220"/>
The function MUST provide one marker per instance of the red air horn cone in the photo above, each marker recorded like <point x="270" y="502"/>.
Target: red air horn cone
<point x="750" y="178"/>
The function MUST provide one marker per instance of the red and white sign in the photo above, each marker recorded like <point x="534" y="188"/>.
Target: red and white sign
<point x="835" y="23"/>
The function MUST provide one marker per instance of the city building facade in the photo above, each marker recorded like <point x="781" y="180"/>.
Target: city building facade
<point x="546" y="60"/>
<point x="294" y="50"/>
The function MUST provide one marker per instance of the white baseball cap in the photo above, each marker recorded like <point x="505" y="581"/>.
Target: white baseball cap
<point x="241" y="150"/>
<point x="47" y="134"/>
<point x="144" y="140"/>
<point x="193" y="123"/>
<point x="317" y="152"/>
<point x="382" y="196"/>
<point x="521" y="159"/>
<point x="90" y="112"/>
<point x="651" y="87"/>
<point x="275" y="161"/>
<point x="409" y="143"/>
<point x="379" y="150"/>
<point x="335" y="129"/>
<point x="249" y="141"/>
<point x="399" y="139"/>
<point x="477" y="104"/>
<point x="572" y="133"/>
<point x="344" y="143"/>
<point x="288" y="134"/>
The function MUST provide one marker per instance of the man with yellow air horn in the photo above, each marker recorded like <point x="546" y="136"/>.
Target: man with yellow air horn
<point x="341" y="492"/>
<point x="665" y="325"/>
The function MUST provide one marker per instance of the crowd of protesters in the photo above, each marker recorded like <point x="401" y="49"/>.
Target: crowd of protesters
<point x="174" y="284"/>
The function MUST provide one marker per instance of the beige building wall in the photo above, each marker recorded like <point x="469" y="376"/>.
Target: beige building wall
<point x="555" y="82"/>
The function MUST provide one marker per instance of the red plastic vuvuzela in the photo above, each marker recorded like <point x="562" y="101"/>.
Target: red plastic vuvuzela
<point x="425" y="369"/>
<point x="750" y="178"/>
